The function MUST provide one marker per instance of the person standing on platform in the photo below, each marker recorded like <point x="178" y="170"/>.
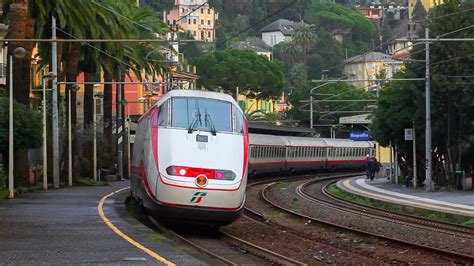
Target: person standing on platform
<point x="367" y="172"/>
<point x="409" y="177"/>
<point x="372" y="167"/>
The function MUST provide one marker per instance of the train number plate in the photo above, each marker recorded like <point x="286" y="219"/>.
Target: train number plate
<point x="201" y="138"/>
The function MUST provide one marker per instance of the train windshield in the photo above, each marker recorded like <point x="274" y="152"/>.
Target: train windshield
<point x="202" y="114"/>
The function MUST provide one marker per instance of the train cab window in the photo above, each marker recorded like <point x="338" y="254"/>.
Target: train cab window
<point x="163" y="115"/>
<point x="201" y="114"/>
<point x="237" y="120"/>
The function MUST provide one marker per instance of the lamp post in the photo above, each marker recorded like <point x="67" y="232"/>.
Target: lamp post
<point x="96" y="96"/>
<point x="142" y="100"/>
<point x="19" y="52"/>
<point x="47" y="77"/>
<point x="74" y="88"/>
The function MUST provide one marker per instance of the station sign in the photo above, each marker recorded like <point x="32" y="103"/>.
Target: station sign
<point x="408" y="133"/>
<point x="360" y="136"/>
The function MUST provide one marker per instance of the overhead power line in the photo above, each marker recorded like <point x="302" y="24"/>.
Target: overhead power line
<point x="256" y="23"/>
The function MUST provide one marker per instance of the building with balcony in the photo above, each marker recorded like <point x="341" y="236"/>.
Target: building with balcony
<point x="369" y="66"/>
<point x="195" y="17"/>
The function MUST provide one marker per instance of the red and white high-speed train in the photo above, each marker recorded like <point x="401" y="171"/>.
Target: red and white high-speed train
<point x="190" y="158"/>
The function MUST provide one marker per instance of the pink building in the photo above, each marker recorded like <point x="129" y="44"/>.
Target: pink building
<point x="195" y="17"/>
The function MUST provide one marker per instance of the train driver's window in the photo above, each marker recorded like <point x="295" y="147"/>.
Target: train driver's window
<point x="238" y="120"/>
<point x="201" y="114"/>
<point x="163" y="115"/>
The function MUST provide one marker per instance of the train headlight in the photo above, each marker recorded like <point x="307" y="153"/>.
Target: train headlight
<point x="224" y="175"/>
<point x="182" y="171"/>
<point x="193" y="172"/>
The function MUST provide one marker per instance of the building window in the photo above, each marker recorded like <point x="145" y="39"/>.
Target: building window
<point x="209" y="23"/>
<point x="189" y="21"/>
<point x="183" y="10"/>
<point x="272" y="40"/>
<point x="202" y="10"/>
<point x="202" y="21"/>
<point x="194" y="21"/>
<point x="209" y="34"/>
<point x="209" y="11"/>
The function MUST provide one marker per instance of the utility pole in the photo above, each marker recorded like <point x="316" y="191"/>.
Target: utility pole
<point x="415" y="178"/>
<point x="119" y="127"/>
<point x="54" y="105"/>
<point x="429" y="181"/>
<point x="311" y="111"/>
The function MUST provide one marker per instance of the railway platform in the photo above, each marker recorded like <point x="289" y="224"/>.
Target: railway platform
<point x="455" y="202"/>
<point x="83" y="225"/>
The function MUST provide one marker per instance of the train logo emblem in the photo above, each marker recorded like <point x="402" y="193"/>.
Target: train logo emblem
<point x="201" y="180"/>
<point x="198" y="197"/>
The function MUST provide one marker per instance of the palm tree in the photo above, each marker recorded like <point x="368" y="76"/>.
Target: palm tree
<point x="74" y="19"/>
<point x="305" y="38"/>
<point x="132" y="57"/>
<point x="289" y="51"/>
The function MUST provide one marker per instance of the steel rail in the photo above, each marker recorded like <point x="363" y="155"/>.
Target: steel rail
<point x="184" y="239"/>
<point x="433" y="225"/>
<point x="406" y="243"/>
<point x="253" y="249"/>
<point x="257" y="250"/>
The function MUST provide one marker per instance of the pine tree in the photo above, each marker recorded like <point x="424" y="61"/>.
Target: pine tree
<point x="419" y="12"/>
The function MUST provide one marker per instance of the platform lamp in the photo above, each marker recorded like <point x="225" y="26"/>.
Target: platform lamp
<point x="72" y="89"/>
<point x="19" y="52"/>
<point x="96" y="97"/>
<point x="48" y="77"/>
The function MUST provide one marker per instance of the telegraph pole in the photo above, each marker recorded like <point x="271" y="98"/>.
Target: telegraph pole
<point x="311" y="111"/>
<point x="429" y="181"/>
<point x="54" y="105"/>
<point x="119" y="127"/>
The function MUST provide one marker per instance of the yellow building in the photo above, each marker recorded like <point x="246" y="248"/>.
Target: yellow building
<point x="427" y="4"/>
<point x="195" y="17"/>
<point x="370" y="66"/>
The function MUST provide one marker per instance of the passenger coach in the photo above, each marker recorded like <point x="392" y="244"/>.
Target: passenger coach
<point x="271" y="154"/>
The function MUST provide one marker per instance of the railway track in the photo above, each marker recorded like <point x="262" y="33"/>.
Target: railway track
<point x="401" y="218"/>
<point x="360" y="211"/>
<point x="226" y="248"/>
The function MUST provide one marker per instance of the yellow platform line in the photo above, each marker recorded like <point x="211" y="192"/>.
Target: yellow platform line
<point x="407" y="202"/>
<point x="124" y="236"/>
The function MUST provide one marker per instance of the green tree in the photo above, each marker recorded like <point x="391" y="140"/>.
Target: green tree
<point x="333" y="16"/>
<point x="27" y="130"/>
<point x="419" y="11"/>
<point x="452" y="101"/>
<point x="245" y="69"/>
<point x="305" y="37"/>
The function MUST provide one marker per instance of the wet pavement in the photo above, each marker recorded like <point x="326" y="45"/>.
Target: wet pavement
<point x="63" y="226"/>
